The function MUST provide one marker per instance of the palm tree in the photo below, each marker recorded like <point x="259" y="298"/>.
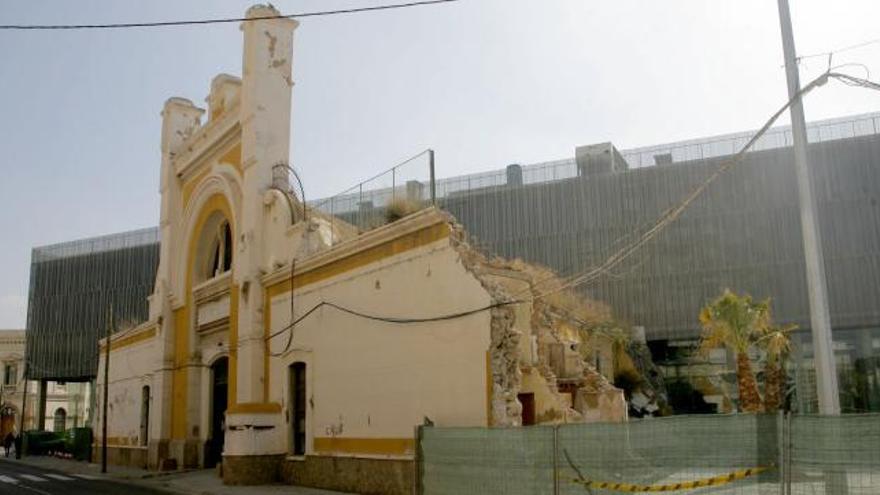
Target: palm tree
<point x="735" y="322"/>
<point x="776" y="344"/>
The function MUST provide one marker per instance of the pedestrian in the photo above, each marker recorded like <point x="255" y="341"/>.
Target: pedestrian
<point x="7" y="442"/>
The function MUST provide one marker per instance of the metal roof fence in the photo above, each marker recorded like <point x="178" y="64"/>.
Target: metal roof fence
<point x="74" y="286"/>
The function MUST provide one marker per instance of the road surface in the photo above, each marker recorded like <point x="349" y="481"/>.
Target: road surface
<point x="22" y="479"/>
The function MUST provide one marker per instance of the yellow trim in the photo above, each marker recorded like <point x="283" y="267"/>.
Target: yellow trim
<point x="358" y="259"/>
<point x="182" y="330"/>
<point x="369" y="446"/>
<point x="489" y="388"/>
<point x="254" y="408"/>
<point x="233" y="157"/>
<point x="404" y="243"/>
<point x="190" y="185"/>
<point x="128" y="340"/>
<point x="232" y="378"/>
<point x="178" y="379"/>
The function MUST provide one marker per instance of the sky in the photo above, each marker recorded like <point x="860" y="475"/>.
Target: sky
<point x="484" y="83"/>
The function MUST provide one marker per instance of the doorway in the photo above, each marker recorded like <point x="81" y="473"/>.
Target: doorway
<point x="528" y="408"/>
<point x="219" y="401"/>
<point x="298" y="408"/>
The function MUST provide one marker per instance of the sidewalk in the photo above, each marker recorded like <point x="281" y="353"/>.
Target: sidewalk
<point x="201" y="481"/>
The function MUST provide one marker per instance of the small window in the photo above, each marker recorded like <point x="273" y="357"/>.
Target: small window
<point x="60" y="420"/>
<point x="10" y="374"/>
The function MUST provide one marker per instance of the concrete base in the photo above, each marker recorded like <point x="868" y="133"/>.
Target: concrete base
<point x="250" y="469"/>
<point x="351" y="474"/>
<point x="122" y="456"/>
<point x="186" y="452"/>
<point x="157" y="453"/>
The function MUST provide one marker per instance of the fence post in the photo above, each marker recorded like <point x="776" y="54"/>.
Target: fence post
<point x="418" y="458"/>
<point x="787" y="430"/>
<point x="780" y="447"/>
<point x="431" y="169"/>
<point x="556" y="459"/>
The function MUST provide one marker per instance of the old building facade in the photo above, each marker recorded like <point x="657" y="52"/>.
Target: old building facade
<point x="284" y="346"/>
<point x="63" y="405"/>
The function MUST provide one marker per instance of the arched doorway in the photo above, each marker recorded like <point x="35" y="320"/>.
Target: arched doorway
<point x="59" y="420"/>
<point x="219" y="400"/>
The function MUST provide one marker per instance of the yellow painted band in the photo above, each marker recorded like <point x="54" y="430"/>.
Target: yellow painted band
<point x="217" y="203"/>
<point x="132" y="339"/>
<point x="368" y="446"/>
<point x="254" y="408"/>
<point x="359" y="259"/>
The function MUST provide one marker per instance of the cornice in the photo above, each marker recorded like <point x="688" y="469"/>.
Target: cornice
<point x="425" y="218"/>
<point x="212" y="288"/>
<point x="206" y="141"/>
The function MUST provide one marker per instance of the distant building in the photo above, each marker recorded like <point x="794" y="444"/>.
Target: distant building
<point x="67" y="405"/>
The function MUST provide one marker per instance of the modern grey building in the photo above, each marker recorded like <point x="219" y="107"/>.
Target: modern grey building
<point x="742" y="233"/>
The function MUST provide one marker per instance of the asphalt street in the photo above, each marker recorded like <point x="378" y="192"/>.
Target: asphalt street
<point x="22" y="479"/>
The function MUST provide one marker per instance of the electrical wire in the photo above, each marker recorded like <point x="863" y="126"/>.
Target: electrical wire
<point x="840" y="50"/>
<point x="671" y="214"/>
<point x="124" y="25"/>
<point x="388" y="319"/>
<point x="292" y="313"/>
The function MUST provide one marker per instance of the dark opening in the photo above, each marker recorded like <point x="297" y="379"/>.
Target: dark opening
<point x="528" y="408"/>
<point x="145" y="415"/>
<point x="219" y="400"/>
<point x="298" y="408"/>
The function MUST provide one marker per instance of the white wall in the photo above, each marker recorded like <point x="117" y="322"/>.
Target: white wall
<point x="369" y="379"/>
<point x="131" y="368"/>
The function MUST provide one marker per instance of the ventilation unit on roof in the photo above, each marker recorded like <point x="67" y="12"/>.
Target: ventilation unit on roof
<point x="597" y="159"/>
<point x="663" y="159"/>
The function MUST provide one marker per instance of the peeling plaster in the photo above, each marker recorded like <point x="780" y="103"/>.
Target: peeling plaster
<point x="273" y="40"/>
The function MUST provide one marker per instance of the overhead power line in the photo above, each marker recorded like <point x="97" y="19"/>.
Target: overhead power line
<point x="124" y="25"/>
<point x="841" y="49"/>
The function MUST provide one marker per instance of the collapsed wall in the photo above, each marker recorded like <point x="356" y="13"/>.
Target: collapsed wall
<point x="538" y="345"/>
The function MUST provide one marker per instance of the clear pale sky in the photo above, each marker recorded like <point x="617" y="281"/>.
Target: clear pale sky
<point x="483" y="82"/>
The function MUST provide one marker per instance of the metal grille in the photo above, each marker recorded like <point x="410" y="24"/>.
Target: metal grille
<point x="72" y="289"/>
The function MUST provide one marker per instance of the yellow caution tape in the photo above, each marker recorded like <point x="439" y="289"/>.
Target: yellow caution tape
<point x="684" y="485"/>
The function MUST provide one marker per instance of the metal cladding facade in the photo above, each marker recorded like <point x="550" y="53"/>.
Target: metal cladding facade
<point x="73" y="287"/>
<point x="743" y="233"/>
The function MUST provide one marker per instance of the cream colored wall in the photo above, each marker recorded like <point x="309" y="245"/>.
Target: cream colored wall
<point x="550" y="406"/>
<point x="377" y="380"/>
<point x="131" y="368"/>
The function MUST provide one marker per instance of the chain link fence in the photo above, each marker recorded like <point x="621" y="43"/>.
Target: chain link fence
<point x="701" y="454"/>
